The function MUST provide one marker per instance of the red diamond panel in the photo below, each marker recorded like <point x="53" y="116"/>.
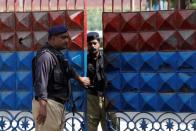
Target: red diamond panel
<point x="132" y="22"/>
<point x="57" y="18"/>
<point x="171" y="40"/>
<point x="7" y="41"/>
<point x="186" y="19"/>
<point x="28" y="31"/>
<point x="24" y="41"/>
<point x="188" y="40"/>
<point x="7" y="22"/>
<point x="40" y="38"/>
<point x="150" y="31"/>
<point x="76" y="40"/>
<point x="75" y="19"/>
<point x="113" y="22"/>
<point x="148" y="21"/>
<point x="149" y="41"/>
<point x="131" y="42"/>
<point x="23" y="21"/>
<point x="114" y="41"/>
<point x="40" y="21"/>
<point x="166" y="20"/>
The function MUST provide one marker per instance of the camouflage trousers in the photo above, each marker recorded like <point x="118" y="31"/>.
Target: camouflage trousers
<point x="96" y="113"/>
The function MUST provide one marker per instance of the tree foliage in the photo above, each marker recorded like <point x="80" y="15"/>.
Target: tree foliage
<point x="94" y="19"/>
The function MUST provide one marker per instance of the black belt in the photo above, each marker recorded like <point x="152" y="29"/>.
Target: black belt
<point x="55" y="99"/>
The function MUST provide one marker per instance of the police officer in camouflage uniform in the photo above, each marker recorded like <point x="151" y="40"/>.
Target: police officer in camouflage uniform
<point x="95" y="94"/>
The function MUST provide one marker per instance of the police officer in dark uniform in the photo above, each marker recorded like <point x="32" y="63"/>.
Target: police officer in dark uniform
<point x="95" y="94"/>
<point x="51" y="74"/>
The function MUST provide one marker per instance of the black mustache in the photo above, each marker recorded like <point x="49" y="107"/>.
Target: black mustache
<point x="92" y="49"/>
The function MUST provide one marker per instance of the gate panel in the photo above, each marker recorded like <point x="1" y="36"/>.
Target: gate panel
<point x="25" y="32"/>
<point x="150" y="66"/>
<point x="150" y="60"/>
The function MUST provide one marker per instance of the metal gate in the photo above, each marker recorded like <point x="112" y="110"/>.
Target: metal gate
<point x="149" y="61"/>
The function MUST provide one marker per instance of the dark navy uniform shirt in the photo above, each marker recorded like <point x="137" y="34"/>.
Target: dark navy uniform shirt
<point x="96" y="73"/>
<point x="44" y="65"/>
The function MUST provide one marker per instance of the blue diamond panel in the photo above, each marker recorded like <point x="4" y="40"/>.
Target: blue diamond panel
<point x="158" y="82"/>
<point x="151" y="81"/>
<point x="8" y="61"/>
<point x="24" y="60"/>
<point x="23" y="99"/>
<point x="24" y="81"/>
<point x="7" y="80"/>
<point x="76" y="60"/>
<point x="112" y="61"/>
<point x="16" y="87"/>
<point x="133" y="101"/>
<point x="8" y="99"/>
<point x="150" y="61"/>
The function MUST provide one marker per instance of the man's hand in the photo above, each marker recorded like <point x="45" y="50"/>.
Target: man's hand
<point x="85" y="81"/>
<point x="41" y="118"/>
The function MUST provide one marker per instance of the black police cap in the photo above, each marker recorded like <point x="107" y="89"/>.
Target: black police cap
<point x="58" y="29"/>
<point x="92" y="36"/>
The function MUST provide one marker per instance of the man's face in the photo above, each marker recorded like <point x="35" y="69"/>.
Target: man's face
<point x="93" y="46"/>
<point x="61" y="41"/>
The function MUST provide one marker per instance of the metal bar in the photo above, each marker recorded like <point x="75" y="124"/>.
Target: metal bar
<point x="112" y="5"/>
<point x="14" y="5"/>
<point x="33" y="40"/>
<point x="84" y="5"/>
<point x="189" y="4"/>
<point x="66" y="4"/>
<point x="168" y="4"/>
<point x="140" y="5"/>
<point x="23" y="5"/>
<point x="178" y="4"/>
<point x="85" y="2"/>
<point x="85" y="24"/>
<point x="6" y="5"/>
<point x="184" y="4"/>
<point x="122" y="5"/>
<point x="159" y="4"/>
<point x="85" y="35"/>
<point x="103" y="5"/>
<point x="48" y="13"/>
<point x="31" y="5"/>
<point x="75" y="4"/>
<point x="131" y="8"/>
<point x="40" y="5"/>
<point x="58" y="5"/>
<point x="49" y="5"/>
<point x="150" y="4"/>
